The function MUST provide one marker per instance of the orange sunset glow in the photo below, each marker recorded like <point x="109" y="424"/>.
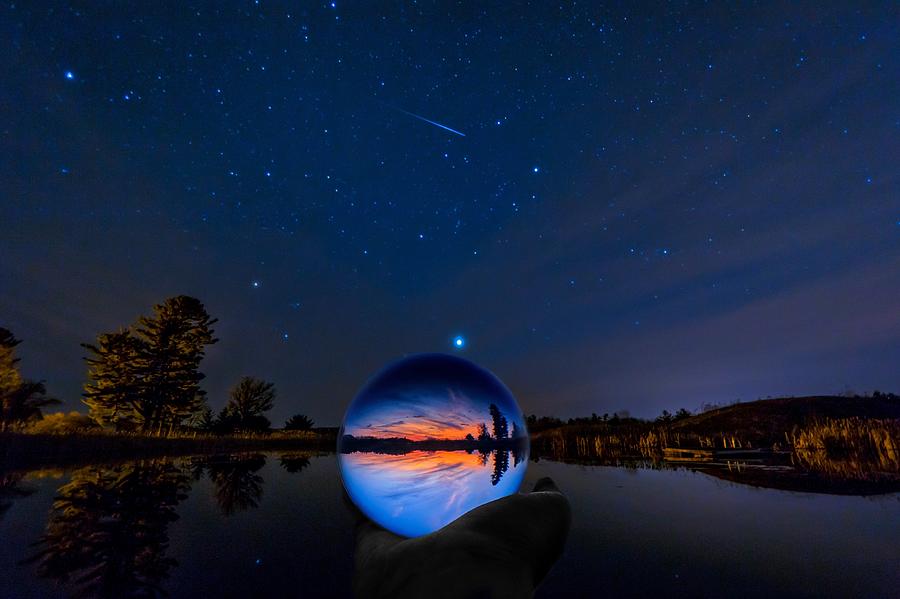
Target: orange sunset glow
<point x="423" y="430"/>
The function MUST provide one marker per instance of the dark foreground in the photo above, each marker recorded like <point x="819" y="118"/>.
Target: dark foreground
<point x="274" y="524"/>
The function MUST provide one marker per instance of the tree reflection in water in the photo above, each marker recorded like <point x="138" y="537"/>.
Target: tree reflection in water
<point x="294" y="462"/>
<point x="107" y="533"/>
<point x="238" y="486"/>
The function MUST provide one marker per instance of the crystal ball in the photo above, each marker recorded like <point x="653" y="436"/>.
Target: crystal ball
<point x="429" y="438"/>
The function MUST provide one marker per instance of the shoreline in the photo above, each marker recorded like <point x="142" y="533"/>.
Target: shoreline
<point x="23" y="450"/>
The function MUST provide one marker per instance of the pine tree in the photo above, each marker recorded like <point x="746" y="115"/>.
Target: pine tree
<point x="501" y="429"/>
<point x="20" y="400"/>
<point x="174" y="341"/>
<point x="116" y="394"/>
<point x="148" y="377"/>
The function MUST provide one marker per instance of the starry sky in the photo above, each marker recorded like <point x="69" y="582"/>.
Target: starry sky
<point x="614" y="207"/>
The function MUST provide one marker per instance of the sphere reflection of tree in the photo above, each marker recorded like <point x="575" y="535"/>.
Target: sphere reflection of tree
<point x="501" y="465"/>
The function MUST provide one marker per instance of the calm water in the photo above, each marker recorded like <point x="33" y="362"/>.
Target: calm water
<point x="418" y="492"/>
<point x="258" y="525"/>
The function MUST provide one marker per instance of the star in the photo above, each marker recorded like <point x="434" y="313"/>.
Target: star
<point x="255" y="284"/>
<point x="459" y="342"/>
<point x="69" y="75"/>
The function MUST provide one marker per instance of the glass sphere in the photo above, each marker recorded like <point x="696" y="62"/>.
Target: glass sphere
<point x="429" y="438"/>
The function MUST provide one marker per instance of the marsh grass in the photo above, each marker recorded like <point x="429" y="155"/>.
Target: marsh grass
<point x="848" y="447"/>
<point x="644" y="440"/>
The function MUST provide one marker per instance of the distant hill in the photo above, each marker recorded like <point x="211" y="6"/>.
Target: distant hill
<point x="762" y="423"/>
<point x="769" y="419"/>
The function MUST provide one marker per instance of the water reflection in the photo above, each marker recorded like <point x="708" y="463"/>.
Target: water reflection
<point x="238" y="486"/>
<point x="11" y="488"/>
<point x="803" y="470"/>
<point x="108" y="530"/>
<point x="113" y="530"/>
<point x="848" y="456"/>
<point x="294" y="462"/>
<point x="417" y="492"/>
<point x="107" y="533"/>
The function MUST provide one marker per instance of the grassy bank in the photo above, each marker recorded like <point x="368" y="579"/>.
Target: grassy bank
<point x="21" y="450"/>
<point x="865" y="429"/>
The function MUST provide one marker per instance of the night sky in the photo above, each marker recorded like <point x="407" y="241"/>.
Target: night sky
<point x="616" y="207"/>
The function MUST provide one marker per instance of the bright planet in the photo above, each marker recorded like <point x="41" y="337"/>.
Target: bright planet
<point x="429" y="438"/>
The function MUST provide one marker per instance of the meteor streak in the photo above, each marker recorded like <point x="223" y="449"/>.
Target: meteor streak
<point x="422" y="118"/>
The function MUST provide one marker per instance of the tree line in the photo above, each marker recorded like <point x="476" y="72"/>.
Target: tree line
<point x="146" y="378"/>
<point x="500" y="427"/>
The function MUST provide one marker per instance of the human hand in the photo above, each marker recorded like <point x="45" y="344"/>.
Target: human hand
<point x="501" y="549"/>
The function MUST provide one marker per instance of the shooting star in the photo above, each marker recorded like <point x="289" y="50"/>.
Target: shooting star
<point x="422" y="118"/>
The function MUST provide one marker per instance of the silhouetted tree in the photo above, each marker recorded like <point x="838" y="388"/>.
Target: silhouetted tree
<point x="536" y="424"/>
<point x="664" y="418"/>
<point x="175" y="339"/>
<point x="21" y="400"/>
<point x="115" y="393"/>
<point x="470" y="438"/>
<point x="483" y="434"/>
<point x="298" y="422"/>
<point x="500" y="426"/>
<point x="148" y="377"/>
<point x="681" y="414"/>
<point x="250" y="397"/>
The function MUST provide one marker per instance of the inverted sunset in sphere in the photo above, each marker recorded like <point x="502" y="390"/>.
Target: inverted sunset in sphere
<point x="429" y="438"/>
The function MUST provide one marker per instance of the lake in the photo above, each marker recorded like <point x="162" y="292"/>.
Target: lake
<point x="276" y="524"/>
